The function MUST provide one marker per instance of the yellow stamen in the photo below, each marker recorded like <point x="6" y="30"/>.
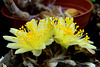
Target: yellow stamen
<point x="13" y="37"/>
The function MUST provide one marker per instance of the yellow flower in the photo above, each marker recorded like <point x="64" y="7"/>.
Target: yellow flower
<point x="66" y="34"/>
<point x="31" y="37"/>
<point x="35" y="37"/>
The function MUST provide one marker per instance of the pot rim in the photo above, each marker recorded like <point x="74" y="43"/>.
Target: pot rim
<point x="84" y="13"/>
<point x="11" y="16"/>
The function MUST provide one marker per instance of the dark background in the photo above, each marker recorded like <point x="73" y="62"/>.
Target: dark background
<point x="4" y="30"/>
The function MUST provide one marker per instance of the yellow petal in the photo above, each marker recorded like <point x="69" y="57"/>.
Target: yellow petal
<point x="41" y="46"/>
<point x="88" y="46"/>
<point x="11" y="38"/>
<point x="49" y="41"/>
<point x="22" y="50"/>
<point x="14" y="31"/>
<point x="37" y="52"/>
<point x="91" y="51"/>
<point x="61" y="22"/>
<point x="31" y="25"/>
<point x="58" y="40"/>
<point x="13" y="45"/>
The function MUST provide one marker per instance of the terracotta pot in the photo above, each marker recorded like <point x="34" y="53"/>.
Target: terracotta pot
<point x="14" y="22"/>
<point x="84" y="8"/>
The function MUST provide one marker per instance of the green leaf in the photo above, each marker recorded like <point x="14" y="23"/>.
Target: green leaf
<point x="93" y="9"/>
<point x="92" y="0"/>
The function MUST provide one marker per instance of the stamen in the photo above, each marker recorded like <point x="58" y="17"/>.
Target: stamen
<point x="13" y="37"/>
